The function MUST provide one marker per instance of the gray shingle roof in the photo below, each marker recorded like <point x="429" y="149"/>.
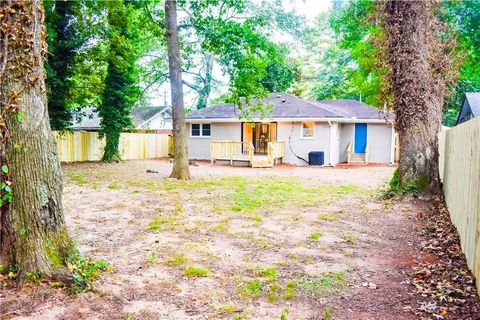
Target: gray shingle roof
<point x="140" y="115"/>
<point x="287" y="106"/>
<point x="284" y="106"/>
<point x="350" y="108"/>
<point x="473" y="99"/>
<point x="89" y="119"/>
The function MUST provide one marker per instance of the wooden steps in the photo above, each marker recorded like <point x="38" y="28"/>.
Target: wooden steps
<point x="261" y="162"/>
<point x="357" y="158"/>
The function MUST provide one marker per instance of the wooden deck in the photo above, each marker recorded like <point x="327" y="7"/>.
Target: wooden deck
<point x="234" y="152"/>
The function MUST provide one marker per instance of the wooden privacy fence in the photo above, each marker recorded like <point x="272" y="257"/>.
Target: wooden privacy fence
<point x="87" y="146"/>
<point x="460" y="173"/>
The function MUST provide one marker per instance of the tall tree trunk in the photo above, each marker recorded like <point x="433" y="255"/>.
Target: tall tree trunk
<point x="180" y="161"/>
<point x="204" y="92"/>
<point x="418" y="92"/>
<point x="33" y="234"/>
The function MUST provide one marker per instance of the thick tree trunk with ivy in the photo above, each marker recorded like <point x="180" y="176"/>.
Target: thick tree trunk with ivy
<point x="418" y="92"/>
<point x="33" y="235"/>
<point x="121" y="83"/>
<point x="180" y="161"/>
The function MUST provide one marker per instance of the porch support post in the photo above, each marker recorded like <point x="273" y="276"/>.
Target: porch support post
<point x="392" y="145"/>
<point x="331" y="157"/>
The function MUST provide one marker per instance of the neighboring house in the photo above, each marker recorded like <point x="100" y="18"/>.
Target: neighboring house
<point x="143" y="118"/>
<point x="344" y="130"/>
<point x="470" y="108"/>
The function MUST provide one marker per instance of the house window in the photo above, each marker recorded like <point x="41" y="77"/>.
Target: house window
<point x="200" y="130"/>
<point x="308" y="130"/>
<point x="195" y="130"/>
<point x="206" y="129"/>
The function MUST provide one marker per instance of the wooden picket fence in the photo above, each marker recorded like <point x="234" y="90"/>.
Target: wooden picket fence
<point x="87" y="146"/>
<point x="460" y="174"/>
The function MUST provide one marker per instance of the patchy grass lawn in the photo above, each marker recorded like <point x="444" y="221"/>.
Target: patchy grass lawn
<point x="233" y="243"/>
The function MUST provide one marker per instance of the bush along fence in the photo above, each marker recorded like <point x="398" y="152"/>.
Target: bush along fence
<point x="87" y="146"/>
<point x="460" y="174"/>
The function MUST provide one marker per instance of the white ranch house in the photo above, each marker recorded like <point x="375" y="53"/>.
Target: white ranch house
<point x="346" y="131"/>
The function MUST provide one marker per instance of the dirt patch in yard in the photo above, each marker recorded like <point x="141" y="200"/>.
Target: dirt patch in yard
<point x="234" y="243"/>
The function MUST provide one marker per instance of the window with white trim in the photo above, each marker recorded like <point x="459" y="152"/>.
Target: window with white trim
<point x="200" y="130"/>
<point x="308" y="130"/>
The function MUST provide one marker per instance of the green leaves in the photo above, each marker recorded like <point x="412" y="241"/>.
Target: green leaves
<point x="5" y="168"/>
<point x="7" y="192"/>
<point x="22" y="232"/>
<point x="19" y="115"/>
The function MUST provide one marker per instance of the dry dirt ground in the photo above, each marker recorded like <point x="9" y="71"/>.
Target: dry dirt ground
<point x="233" y="243"/>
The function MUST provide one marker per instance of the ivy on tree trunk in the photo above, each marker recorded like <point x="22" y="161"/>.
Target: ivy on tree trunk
<point x="33" y="234"/>
<point x="121" y="83"/>
<point x="180" y="161"/>
<point x="63" y="42"/>
<point x="418" y="89"/>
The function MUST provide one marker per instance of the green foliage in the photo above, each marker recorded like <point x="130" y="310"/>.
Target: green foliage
<point x="34" y="277"/>
<point x="6" y="192"/>
<point x="85" y="271"/>
<point x="163" y="223"/>
<point x="277" y="192"/>
<point x="79" y="179"/>
<point x="152" y="258"/>
<point x="177" y="260"/>
<point x="121" y="83"/>
<point x="280" y="74"/>
<point x="321" y="286"/>
<point x="284" y="314"/>
<point x="196" y="272"/>
<point x="234" y="35"/>
<point x="351" y="57"/>
<point x="252" y="289"/>
<point x="315" y="235"/>
<point x="290" y="289"/>
<point x="463" y="25"/>
<point x="64" y="40"/>
<point x="349" y="238"/>
<point x="327" y="313"/>
<point x="346" y="60"/>
<point x="269" y="273"/>
<point x="395" y="188"/>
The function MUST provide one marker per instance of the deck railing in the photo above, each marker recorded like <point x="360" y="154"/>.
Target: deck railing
<point x="236" y="150"/>
<point x="276" y="150"/>
<point x="231" y="150"/>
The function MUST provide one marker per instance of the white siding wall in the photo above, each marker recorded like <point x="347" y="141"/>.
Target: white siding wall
<point x="378" y="137"/>
<point x="379" y="141"/>
<point x="159" y="122"/>
<point x="346" y="136"/>
<point x="300" y="146"/>
<point x="199" y="147"/>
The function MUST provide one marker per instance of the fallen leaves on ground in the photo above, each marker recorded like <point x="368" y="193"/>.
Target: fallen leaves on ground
<point x="443" y="280"/>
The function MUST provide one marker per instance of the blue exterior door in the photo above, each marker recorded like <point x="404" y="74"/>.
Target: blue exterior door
<point x="360" y="137"/>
